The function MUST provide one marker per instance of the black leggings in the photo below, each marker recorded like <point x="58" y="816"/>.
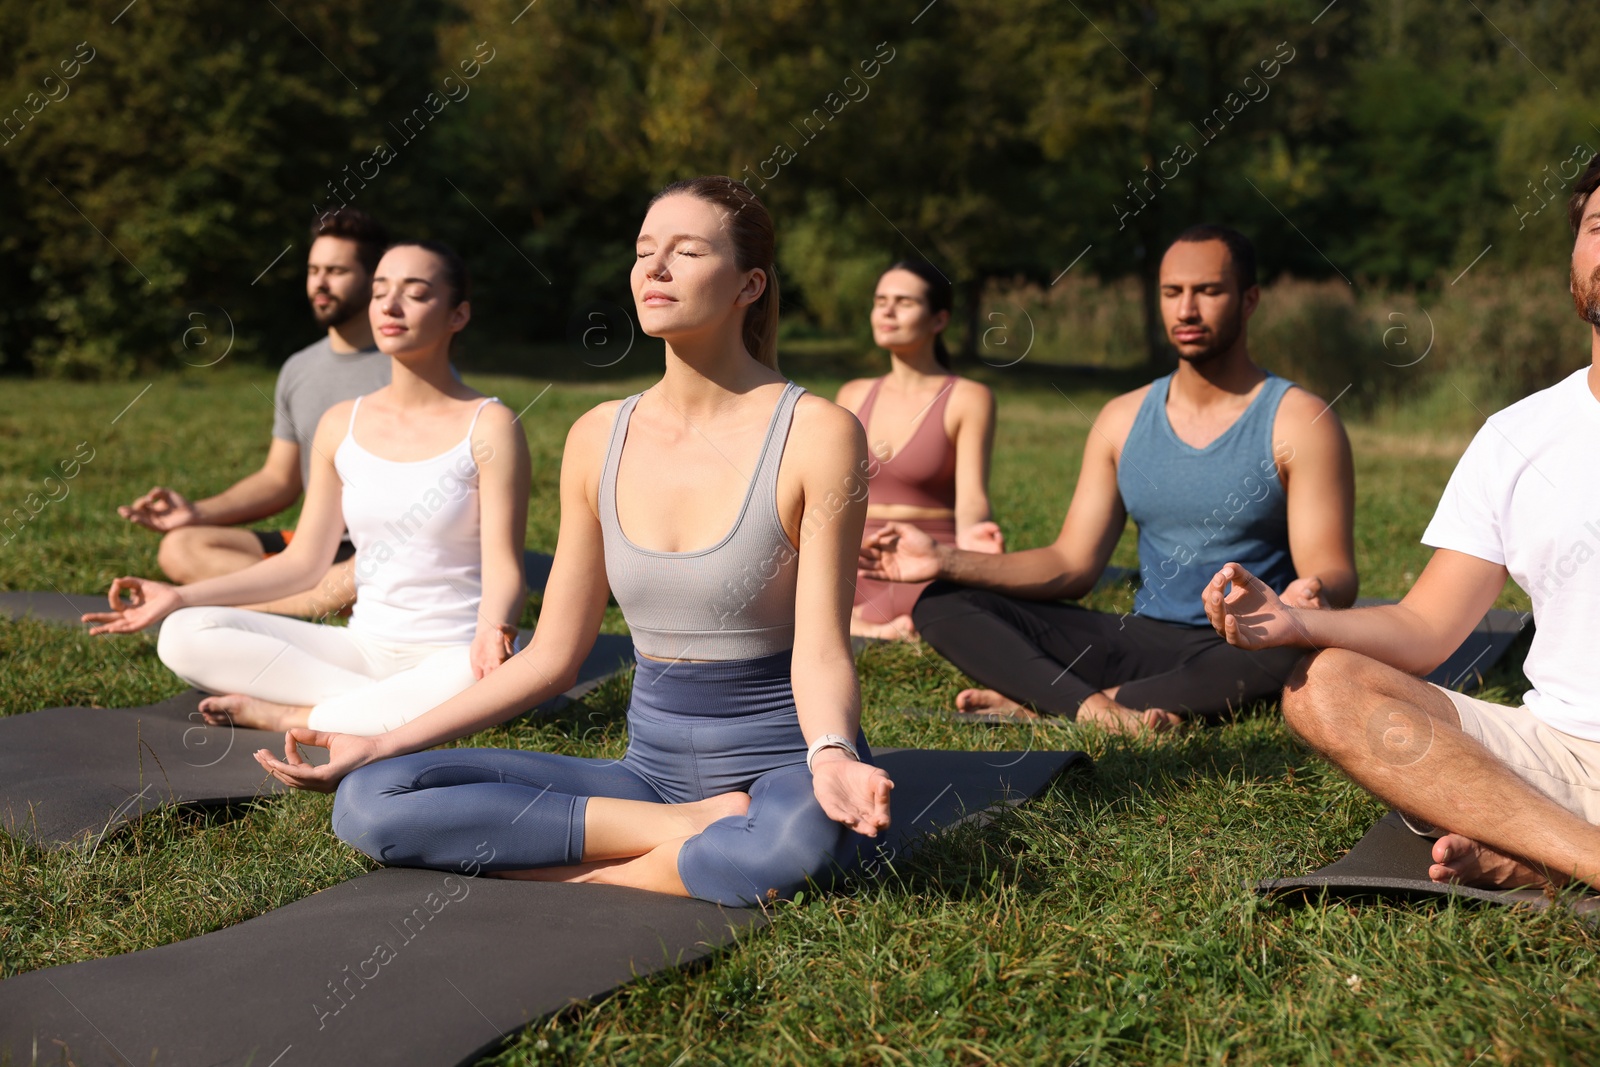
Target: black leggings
<point x="1051" y="656"/>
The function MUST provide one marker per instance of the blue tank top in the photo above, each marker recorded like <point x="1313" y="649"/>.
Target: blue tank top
<point x="1198" y="508"/>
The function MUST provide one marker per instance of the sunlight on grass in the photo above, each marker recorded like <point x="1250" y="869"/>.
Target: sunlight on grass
<point x="1108" y="922"/>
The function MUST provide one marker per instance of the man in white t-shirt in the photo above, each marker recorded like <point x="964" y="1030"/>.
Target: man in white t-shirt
<point x="205" y="538"/>
<point x="1515" y="792"/>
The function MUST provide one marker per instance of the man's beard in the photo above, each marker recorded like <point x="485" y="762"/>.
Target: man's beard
<point x="337" y="313"/>
<point x="1586" y="296"/>
<point x="1223" y="338"/>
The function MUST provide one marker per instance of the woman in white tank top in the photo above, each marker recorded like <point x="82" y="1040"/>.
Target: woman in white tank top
<point x="431" y="479"/>
<point x="723" y="508"/>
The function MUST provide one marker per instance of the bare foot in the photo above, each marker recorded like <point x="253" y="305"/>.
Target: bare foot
<point x="1461" y="859"/>
<point x="577" y="872"/>
<point x="1163" y="721"/>
<point x="899" y="628"/>
<point x="990" y="702"/>
<point x="700" y="814"/>
<point x="691" y="818"/>
<point x="1118" y="719"/>
<point x="252" y="713"/>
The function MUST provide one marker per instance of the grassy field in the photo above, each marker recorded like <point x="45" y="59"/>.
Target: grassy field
<point x="1106" y="923"/>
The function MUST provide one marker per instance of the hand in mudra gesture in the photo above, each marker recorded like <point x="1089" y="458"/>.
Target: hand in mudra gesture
<point x="899" y="552"/>
<point x="1250" y="615"/>
<point x="852" y="793"/>
<point x="161" y="509"/>
<point x="346" y="752"/>
<point x="147" y="603"/>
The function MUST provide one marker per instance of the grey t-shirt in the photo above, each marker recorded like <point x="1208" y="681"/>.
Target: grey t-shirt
<point x="312" y="381"/>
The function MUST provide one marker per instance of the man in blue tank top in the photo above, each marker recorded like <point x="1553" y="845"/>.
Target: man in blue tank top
<point x="205" y="538"/>
<point x="1512" y="794"/>
<point x="1218" y="461"/>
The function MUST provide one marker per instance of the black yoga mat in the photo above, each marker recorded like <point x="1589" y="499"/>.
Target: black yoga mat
<point x="1392" y="862"/>
<point x="72" y="775"/>
<point x="55" y="606"/>
<point x="426" y="968"/>
<point x="52" y="606"/>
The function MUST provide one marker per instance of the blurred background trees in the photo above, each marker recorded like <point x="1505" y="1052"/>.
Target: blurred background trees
<point x="1004" y="139"/>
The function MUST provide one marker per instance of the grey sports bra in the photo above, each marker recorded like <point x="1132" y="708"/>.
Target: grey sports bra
<point x="733" y="600"/>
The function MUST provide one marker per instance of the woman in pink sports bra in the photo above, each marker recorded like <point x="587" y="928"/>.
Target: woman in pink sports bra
<point x="931" y="434"/>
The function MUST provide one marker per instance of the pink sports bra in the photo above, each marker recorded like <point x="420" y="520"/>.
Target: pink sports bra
<point x="923" y="473"/>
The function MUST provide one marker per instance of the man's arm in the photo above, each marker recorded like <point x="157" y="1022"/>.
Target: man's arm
<point x="1065" y="569"/>
<point x="1319" y="478"/>
<point x="1416" y="635"/>
<point x="265" y="492"/>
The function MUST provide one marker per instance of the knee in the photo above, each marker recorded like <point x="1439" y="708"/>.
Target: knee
<point x="179" y="645"/>
<point x="1324" y="695"/>
<point x="359" y="813"/>
<point x="180" y="551"/>
<point x="772" y="858"/>
<point x="940" y="602"/>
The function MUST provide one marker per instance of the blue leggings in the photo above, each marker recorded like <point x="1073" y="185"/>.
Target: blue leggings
<point x="695" y="730"/>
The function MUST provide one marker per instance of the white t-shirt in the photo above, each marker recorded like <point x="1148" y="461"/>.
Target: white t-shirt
<point x="1526" y="495"/>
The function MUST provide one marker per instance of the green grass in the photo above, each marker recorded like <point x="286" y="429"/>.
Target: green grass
<point x="1105" y="923"/>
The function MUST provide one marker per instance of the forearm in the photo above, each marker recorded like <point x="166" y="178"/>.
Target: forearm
<point x="278" y="576"/>
<point x="1036" y="574"/>
<point x="970" y="512"/>
<point x="527" y="679"/>
<point x="256" y="496"/>
<point x="826" y="697"/>
<point x="503" y="593"/>
<point x="1339" y="584"/>
<point x="1389" y="633"/>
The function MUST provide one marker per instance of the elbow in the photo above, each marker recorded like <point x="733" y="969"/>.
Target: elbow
<point x="560" y="677"/>
<point x="1068" y="587"/>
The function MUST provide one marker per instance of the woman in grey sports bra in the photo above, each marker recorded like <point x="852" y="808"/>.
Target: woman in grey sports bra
<point x="733" y="558"/>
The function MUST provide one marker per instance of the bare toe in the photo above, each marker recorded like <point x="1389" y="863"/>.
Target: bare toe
<point x="1461" y="859"/>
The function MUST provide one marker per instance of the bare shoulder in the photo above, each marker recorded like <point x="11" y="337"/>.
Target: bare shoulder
<point x="589" y="434"/>
<point x="335" y="421"/>
<point x="822" y="422"/>
<point x="970" y="397"/>
<point x="854" y="392"/>
<point x="1116" y="418"/>
<point x="1305" y="418"/>
<point x="497" y="418"/>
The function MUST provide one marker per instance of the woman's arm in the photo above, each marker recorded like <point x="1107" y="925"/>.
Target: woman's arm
<point x="829" y="471"/>
<point x="294" y="570"/>
<point x="975" y="421"/>
<point x="574" y="603"/>
<point x="501" y="450"/>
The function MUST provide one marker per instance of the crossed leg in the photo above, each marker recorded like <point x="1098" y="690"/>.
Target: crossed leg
<point x="1401" y="739"/>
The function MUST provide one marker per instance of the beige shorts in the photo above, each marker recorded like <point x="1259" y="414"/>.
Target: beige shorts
<point x="1563" y="767"/>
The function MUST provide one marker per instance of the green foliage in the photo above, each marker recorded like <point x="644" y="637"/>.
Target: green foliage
<point x="1387" y="145"/>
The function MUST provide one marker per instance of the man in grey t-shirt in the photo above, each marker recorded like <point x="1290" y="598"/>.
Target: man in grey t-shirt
<point x="203" y="538"/>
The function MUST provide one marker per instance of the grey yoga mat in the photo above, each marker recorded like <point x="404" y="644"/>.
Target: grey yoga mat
<point x="427" y="968"/>
<point x="1392" y="862"/>
<point x="72" y="775"/>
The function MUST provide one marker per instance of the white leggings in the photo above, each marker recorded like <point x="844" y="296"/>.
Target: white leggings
<point x="355" y="684"/>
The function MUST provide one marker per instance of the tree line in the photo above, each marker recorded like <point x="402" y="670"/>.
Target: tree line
<point x="160" y="163"/>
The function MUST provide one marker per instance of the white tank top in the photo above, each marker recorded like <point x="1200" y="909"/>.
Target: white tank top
<point x="415" y="526"/>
